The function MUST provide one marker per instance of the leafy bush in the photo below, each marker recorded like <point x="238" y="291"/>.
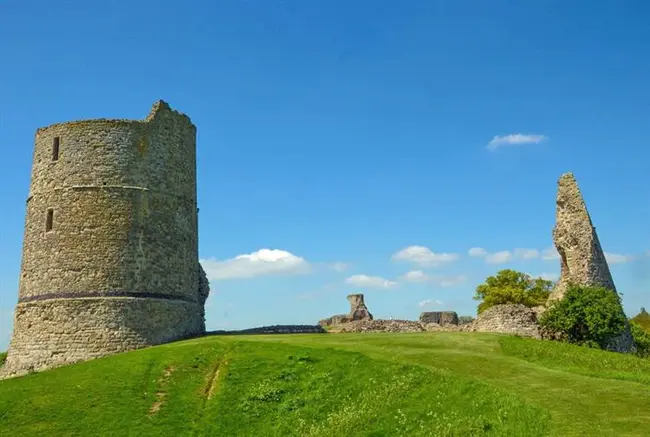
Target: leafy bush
<point x="642" y="319"/>
<point x="512" y="287"/>
<point x="641" y="338"/>
<point x="3" y="357"/>
<point x="587" y="316"/>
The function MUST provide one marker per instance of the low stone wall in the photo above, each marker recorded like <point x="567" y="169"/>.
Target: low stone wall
<point x="275" y="329"/>
<point x="439" y="317"/>
<point x="379" y="326"/>
<point x="57" y="332"/>
<point x="390" y="326"/>
<point x="507" y="319"/>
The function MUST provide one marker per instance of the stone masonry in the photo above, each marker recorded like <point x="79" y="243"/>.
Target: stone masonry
<point x="110" y="248"/>
<point x="358" y="311"/>
<point x="509" y="319"/>
<point x="582" y="260"/>
<point x="439" y="317"/>
<point x="358" y="308"/>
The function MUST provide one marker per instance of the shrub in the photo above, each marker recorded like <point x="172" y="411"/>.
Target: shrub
<point x="641" y="339"/>
<point x="511" y="287"/>
<point x="587" y="316"/>
<point x="3" y="357"/>
<point x="642" y="319"/>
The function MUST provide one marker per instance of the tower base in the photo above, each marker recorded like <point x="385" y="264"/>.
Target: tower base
<point x="57" y="332"/>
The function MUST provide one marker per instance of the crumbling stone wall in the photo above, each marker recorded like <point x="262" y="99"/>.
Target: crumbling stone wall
<point x="358" y="311"/>
<point x="110" y="250"/>
<point x="508" y="319"/>
<point x="439" y="317"/>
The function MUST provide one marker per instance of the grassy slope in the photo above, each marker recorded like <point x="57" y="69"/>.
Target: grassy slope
<point x="426" y="384"/>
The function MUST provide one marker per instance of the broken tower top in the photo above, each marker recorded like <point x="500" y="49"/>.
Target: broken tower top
<point x="582" y="259"/>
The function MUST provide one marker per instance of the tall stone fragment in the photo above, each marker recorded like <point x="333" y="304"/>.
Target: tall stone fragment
<point x="358" y="311"/>
<point x="581" y="256"/>
<point x="358" y="308"/>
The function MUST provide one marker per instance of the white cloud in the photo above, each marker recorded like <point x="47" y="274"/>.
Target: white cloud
<point x="423" y="256"/>
<point x="550" y="254"/>
<point x="547" y="276"/>
<point x="526" y="253"/>
<point x="615" y="258"/>
<point x="450" y="281"/>
<point x="260" y="263"/>
<point x="514" y="140"/>
<point x="438" y="280"/>
<point x="503" y="256"/>
<point x="416" y="276"/>
<point x="498" y="257"/>
<point x="477" y="251"/>
<point x="339" y="266"/>
<point x="369" y="281"/>
<point x="430" y="303"/>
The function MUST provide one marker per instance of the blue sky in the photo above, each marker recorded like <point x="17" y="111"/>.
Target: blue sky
<point x="344" y="144"/>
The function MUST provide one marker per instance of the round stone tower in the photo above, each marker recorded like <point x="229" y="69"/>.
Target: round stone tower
<point x="110" y="251"/>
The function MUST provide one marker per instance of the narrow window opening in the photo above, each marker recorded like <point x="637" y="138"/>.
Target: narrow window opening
<point x="55" y="148"/>
<point x="50" y="220"/>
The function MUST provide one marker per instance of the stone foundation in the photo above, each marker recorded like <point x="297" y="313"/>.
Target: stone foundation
<point x="57" y="332"/>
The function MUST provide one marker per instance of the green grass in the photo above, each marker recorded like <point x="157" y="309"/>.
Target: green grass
<point x="421" y="384"/>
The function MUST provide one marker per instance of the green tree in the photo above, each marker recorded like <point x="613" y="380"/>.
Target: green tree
<point x="512" y="287"/>
<point x="642" y="319"/>
<point x="588" y="316"/>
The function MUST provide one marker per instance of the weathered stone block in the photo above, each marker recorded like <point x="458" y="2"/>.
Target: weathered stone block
<point x="439" y="317"/>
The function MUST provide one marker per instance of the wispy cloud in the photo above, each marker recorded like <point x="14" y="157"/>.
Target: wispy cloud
<point x="423" y="256"/>
<point x="514" y="140"/>
<point x="547" y="276"/>
<point x="365" y="281"/>
<point x="615" y="258"/>
<point x="550" y="254"/>
<point x="339" y="266"/>
<point x="415" y="276"/>
<point x="504" y="256"/>
<point x="444" y="281"/>
<point x="430" y="303"/>
<point x="477" y="252"/>
<point x="260" y="263"/>
<point x="500" y="257"/>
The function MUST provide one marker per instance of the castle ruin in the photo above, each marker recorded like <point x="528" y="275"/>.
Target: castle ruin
<point x="110" y="248"/>
<point x="582" y="260"/>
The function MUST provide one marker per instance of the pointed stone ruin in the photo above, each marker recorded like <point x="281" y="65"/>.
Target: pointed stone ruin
<point x="581" y="256"/>
<point x="358" y="311"/>
<point x="358" y="308"/>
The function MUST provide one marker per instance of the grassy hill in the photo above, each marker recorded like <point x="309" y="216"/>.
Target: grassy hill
<point x="423" y="384"/>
